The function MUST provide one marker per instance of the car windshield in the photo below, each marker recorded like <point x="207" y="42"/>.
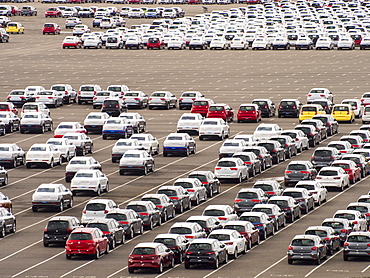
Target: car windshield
<point x="341" y="165"/>
<point x="85" y="88"/>
<point x="137" y="208"/>
<point x="117" y="216"/>
<point x="307" y="186"/>
<point x="247" y="108"/>
<point x="173" y="138"/>
<point x="297" y="167"/>
<point x="348" y="216"/>
<point x="253" y="219"/>
<point x="65" y="127"/>
<point x="226" y="164"/>
<point x="334" y="225"/>
<point x="303" y="242"/>
<point x="181" y="230"/>
<point x="27" y="116"/>
<point x="340" y="108"/>
<point x="95" y="207"/>
<point x="202" y="103"/>
<point x="155" y="201"/>
<point x="265" y="210"/>
<point x="143" y="251"/>
<point x="264" y="128"/>
<point x="293" y="194"/>
<point x="78" y="162"/>
<point x="124" y="143"/>
<point x="231" y="144"/>
<point x="309" y="109"/>
<point x="103" y="94"/>
<point x="80" y="236"/>
<point x="58" y="225"/>
<point x="102" y="226"/>
<point x="247" y="195"/>
<point x="169" y="242"/>
<point x="168" y="192"/>
<point x="98" y="117"/>
<point x="188" y="118"/>
<point x="71" y="137"/>
<point x="199" y="177"/>
<point x="358" y="238"/>
<point x="216" y="108"/>
<point x="329" y="173"/>
<point x="280" y="203"/>
<point x="220" y="237"/>
<point x="184" y="184"/>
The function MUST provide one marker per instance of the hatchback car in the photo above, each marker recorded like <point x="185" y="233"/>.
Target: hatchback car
<point x="249" y="112"/>
<point x="231" y="168"/>
<point x="310" y="110"/>
<point x="261" y="221"/>
<point x="356" y="245"/>
<point x="97" y="208"/>
<point x="343" y="113"/>
<point x="51" y="28"/>
<point x="235" y="243"/>
<point x="266" y="106"/>
<point x="147" y="211"/>
<point x="246" y="198"/>
<point x="222" y="111"/>
<point x="201" y="106"/>
<point x="87" y="241"/>
<point x="341" y="225"/>
<point x="179" y="196"/>
<point x="58" y="229"/>
<point x="302" y="196"/>
<point x="289" y="107"/>
<point x="299" y="170"/>
<point x="307" y="247"/>
<point x="132" y="224"/>
<point x="289" y="205"/>
<point x="177" y="243"/>
<point x="162" y="99"/>
<point x="72" y="42"/>
<point x="350" y="167"/>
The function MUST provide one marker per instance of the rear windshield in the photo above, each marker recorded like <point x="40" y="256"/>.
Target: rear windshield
<point x="4" y="106"/>
<point x="143" y="251"/>
<point x="340" y="108"/>
<point x="319" y="233"/>
<point x="102" y="226"/>
<point x="287" y="103"/>
<point x="166" y="241"/>
<point x="30" y="107"/>
<point x="322" y="153"/>
<point x="155" y="201"/>
<point x="95" y="207"/>
<point x="137" y="208"/>
<point x="247" y="108"/>
<point x="58" y="225"/>
<point x="117" y="216"/>
<point x="238" y="228"/>
<point x="80" y="236"/>
<point x="348" y="216"/>
<point x="265" y="210"/>
<point x="200" y="103"/>
<point x="358" y="238"/>
<point x="216" y="108"/>
<point x="199" y="177"/>
<point x="87" y="88"/>
<point x="337" y="146"/>
<point x="309" y="109"/>
<point x="296" y="167"/>
<point x="184" y="184"/>
<point x="329" y="173"/>
<point x="168" y="192"/>
<point x="226" y="164"/>
<point x="264" y="187"/>
<point x="303" y="242"/>
<point x="214" y="212"/>
<point x="111" y="103"/>
<point x="247" y="195"/>
<point x="293" y="194"/>
<point x="180" y="230"/>
<point x="252" y="219"/>
<point x="358" y="208"/>
<point x="280" y="203"/>
<point x="220" y="237"/>
<point x="58" y="88"/>
<point x="334" y="225"/>
<point x="200" y="247"/>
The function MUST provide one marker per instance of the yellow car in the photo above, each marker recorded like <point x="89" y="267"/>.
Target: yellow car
<point x="15" y="28"/>
<point x="343" y="113"/>
<point x="310" y="110"/>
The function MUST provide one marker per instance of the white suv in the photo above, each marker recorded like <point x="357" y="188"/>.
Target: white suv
<point x="86" y="93"/>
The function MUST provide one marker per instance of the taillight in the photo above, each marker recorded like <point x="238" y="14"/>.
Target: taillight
<point x="188" y="253"/>
<point x="234" y="169"/>
<point x="355" y="222"/>
<point x="294" y="107"/>
<point x="106" y="211"/>
<point x="222" y="218"/>
<point x="367" y="214"/>
<point x="326" y="239"/>
<point x="123" y="222"/>
<point x="218" y="168"/>
<point x="210" y="253"/>
<point x="190" y="190"/>
<point x="318" y="178"/>
<point x="290" y="248"/>
<point x="144" y="213"/>
<point x="188" y="236"/>
<point x="174" y="198"/>
<point x="266" y="106"/>
<point x="345" y="244"/>
<point x="280" y="107"/>
<point x="256" y="201"/>
<point x="337" y="178"/>
<point x="163" y="99"/>
<point x="136" y="98"/>
<point x="314" y="248"/>
<point x="228" y="243"/>
<point x="305" y="172"/>
<point x="238" y="200"/>
<point x="84" y="211"/>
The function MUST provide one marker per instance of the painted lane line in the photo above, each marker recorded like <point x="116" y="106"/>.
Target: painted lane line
<point x="309" y="273"/>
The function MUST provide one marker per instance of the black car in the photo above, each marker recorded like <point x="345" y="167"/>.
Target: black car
<point x="330" y="123"/>
<point x="299" y="170"/>
<point x="266" y="106"/>
<point x="206" y="251"/>
<point x="58" y="229"/>
<point x="325" y="156"/>
<point x="208" y="223"/>
<point x="319" y="125"/>
<point x="130" y="221"/>
<point x="325" y="103"/>
<point x="311" y="133"/>
<point x="148" y="212"/>
<point x="275" y="149"/>
<point x="111" y="229"/>
<point x="251" y="160"/>
<point x="209" y="181"/>
<point x="178" y="195"/>
<point x="163" y="203"/>
<point x="287" y="204"/>
<point x="177" y="243"/>
<point x="290" y="148"/>
<point x="289" y="107"/>
<point x="263" y="155"/>
<point x="114" y="106"/>
<point x="7" y="221"/>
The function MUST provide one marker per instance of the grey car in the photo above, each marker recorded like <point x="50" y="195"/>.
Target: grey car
<point x="247" y="198"/>
<point x="324" y="156"/>
<point x="328" y="235"/>
<point x="7" y="222"/>
<point x="302" y="197"/>
<point x="357" y="245"/>
<point x="163" y="203"/>
<point x="299" y="170"/>
<point x="307" y="247"/>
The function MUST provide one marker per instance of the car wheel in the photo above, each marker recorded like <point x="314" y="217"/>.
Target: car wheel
<point x="51" y="165"/>
<point x="5" y="182"/>
<point x="235" y="255"/>
<point x="14" y="164"/>
<point x="180" y="258"/>
<point x="217" y="264"/>
<point x="98" y="191"/>
<point x="272" y="231"/>
<point x="318" y="260"/>
<point x="247" y="246"/>
<point x="112" y="245"/>
<point x="97" y="254"/>
<point x="264" y="235"/>
<point x="2" y="231"/>
<point x="160" y="268"/>
<point x="61" y="206"/>
<point x="290" y="261"/>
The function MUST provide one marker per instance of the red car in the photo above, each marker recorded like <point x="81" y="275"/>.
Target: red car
<point x="8" y="107"/>
<point x="51" y="28"/>
<point x="249" y="112"/>
<point x="201" y="106"/>
<point x="350" y="167"/>
<point x="53" y="12"/>
<point x="72" y="42"/>
<point x="15" y="10"/>
<point x="155" y="43"/>
<point x="222" y="111"/>
<point x="150" y="255"/>
<point x="87" y="241"/>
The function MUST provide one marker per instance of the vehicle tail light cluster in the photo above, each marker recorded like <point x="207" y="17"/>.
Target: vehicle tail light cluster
<point x="106" y="211"/>
<point x="84" y="211"/>
<point x="228" y="243"/>
<point x="123" y="222"/>
<point x="270" y="192"/>
<point x="256" y="201"/>
<point x="332" y="157"/>
<point x="355" y="222"/>
<point x="181" y="99"/>
<point x="163" y="99"/>
<point x="300" y="200"/>
<point x="367" y="214"/>
<point x="144" y="213"/>
<point x="290" y="248"/>
<point x="234" y="169"/>
<point x="222" y="218"/>
<point x="174" y="198"/>
<point x="210" y="253"/>
<point x="189" y="236"/>
<point x="314" y="248"/>
<point x="288" y="172"/>
<point x="280" y="107"/>
<point x="368" y="244"/>
<point x="136" y="98"/>
<point x="345" y="244"/>
<point x="218" y="168"/>
<point x="190" y="190"/>
<point x="237" y="200"/>
<point x="258" y="225"/>
<point x="337" y="178"/>
<point x="318" y="178"/>
<point x="314" y="192"/>
<point x="304" y="172"/>
<point x="326" y="239"/>
<point x="247" y="162"/>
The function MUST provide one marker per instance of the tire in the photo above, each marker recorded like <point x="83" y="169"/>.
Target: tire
<point x="97" y="254"/>
<point x="172" y="265"/>
<point x="14" y="164"/>
<point x="70" y="205"/>
<point x="187" y="265"/>
<point x="2" y="231"/>
<point x="290" y="261"/>
<point x="235" y="255"/>
<point x="160" y="268"/>
<point x="51" y="163"/>
<point x="131" y="234"/>
<point x="14" y="228"/>
<point x="145" y="170"/>
<point x="113" y="244"/>
<point x="217" y="264"/>
<point x="61" y="206"/>
<point x="98" y="192"/>
<point x="345" y="257"/>
<point x="318" y="261"/>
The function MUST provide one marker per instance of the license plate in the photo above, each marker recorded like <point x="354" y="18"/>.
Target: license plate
<point x="44" y="202"/>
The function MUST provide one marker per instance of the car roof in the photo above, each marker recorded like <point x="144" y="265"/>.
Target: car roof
<point x="217" y="207"/>
<point x="359" y="204"/>
<point x="62" y="218"/>
<point x="318" y="228"/>
<point x="84" y="230"/>
<point x="174" y="236"/>
<point x="312" y="237"/>
<point x="281" y="198"/>
<point x="184" y="224"/>
<point x="148" y="245"/>
<point x="105" y="201"/>
<point x="334" y="219"/>
<point x="141" y="203"/>
<point x="204" y="240"/>
<point x="223" y="231"/>
<point x="200" y="217"/>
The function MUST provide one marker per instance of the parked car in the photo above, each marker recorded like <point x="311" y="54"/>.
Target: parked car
<point x="341" y="225"/>
<point x="350" y="167"/>
<point x="249" y="112"/>
<point x="179" y="196"/>
<point x="289" y="107"/>
<point x="117" y="127"/>
<point x="266" y="131"/>
<point x="58" y="229"/>
<point x="201" y="106"/>
<point x="49" y="195"/>
<point x="307" y="247"/>
<point x="136" y="99"/>
<point x="287" y="204"/>
<point x="83" y="143"/>
<point x="35" y="121"/>
<point x="131" y="223"/>
<point x="261" y="221"/>
<point x="89" y="180"/>
<point x="51" y="28"/>
<point x="343" y="113"/>
<point x="43" y="154"/>
<point x="12" y="155"/>
<point x="136" y="161"/>
<point x="79" y="163"/>
<point x="68" y="127"/>
<point x="148" y="212"/>
<point x="297" y="171"/>
<point x="356" y="245"/>
<point x="246" y="198"/>
<point x="179" y="143"/>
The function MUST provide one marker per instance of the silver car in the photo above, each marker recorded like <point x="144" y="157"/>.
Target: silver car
<point x="357" y="245"/>
<point x="307" y="247"/>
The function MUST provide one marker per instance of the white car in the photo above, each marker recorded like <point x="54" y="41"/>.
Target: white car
<point x="231" y="146"/>
<point x="35" y="107"/>
<point x="224" y="213"/>
<point x="107" y="23"/>
<point x="219" y="43"/>
<point x="195" y="188"/>
<point x="89" y="180"/>
<point x="100" y="96"/>
<point x="136" y="161"/>
<point x="189" y="122"/>
<point x="80" y="29"/>
<point x="10" y="120"/>
<point x="134" y="42"/>
<point x="266" y="131"/>
<point x="333" y="177"/>
<point x="136" y="13"/>
<point x="261" y="43"/>
<point x="136" y="99"/>
<point x="215" y="127"/>
<point x="35" y="121"/>
<point x="83" y="143"/>
<point x="117" y="127"/>
<point x="77" y="163"/>
<point x="162" y="99"/>
<point x="43" y="154"/>
<point x="123" y="145"/>
<point x="190" y="230"/>
<point x="231" y="168"/>
<point x="355" y="217"/>
<point x="68" y="93"/>
<point x="356" y="106"/>
<point x="250" y="139"/>
<point x="50" y="97"/>
<point x="93" y="42"/>
<point x="324" y="43"/>
<point x="176" y="43"/>
<point x="346" y="43"/>
<point x="71" y="22"/>
<point x="318" y="191"/>
<point x="52" y="195"/>
<point x="235" y="243"/>
<point x="187" y="98"/>
<point x="179" y="143"/>
<point x="68" y="127"/>
<point x="12" y="155"/>
<point x="94" y="121"/>
<point x="137" y="121"/>
<point x="66" y="147"/>
<point x="343" y="147"/>
<point x="19" y="97"/>
<point x="239" y="42"/>
<point x="300" y="139"/>
<point x="149" y="142"/>
<point x="97" y="208"/>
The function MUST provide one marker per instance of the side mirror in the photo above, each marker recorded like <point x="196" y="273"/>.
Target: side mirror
<point x="168" y="250"/>
<point x="222" y="245"/>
